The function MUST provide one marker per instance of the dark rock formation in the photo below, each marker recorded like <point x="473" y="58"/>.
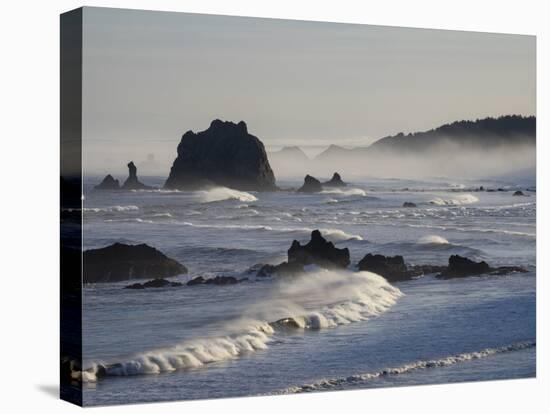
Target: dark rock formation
<point x="392" y="268"/>
<point x="155" y="283"/>
<point x="108" y="183"/>
<point x="335" y="181"/>
<point x="518" y="193"/>
<point x="225" y="154"/>
<point x="463" y="267"/>
<point x="319" y="252"/>
<point x="132" y="182"/>
<point x="311" y="185"/>
<point x="119" y="262"/>
<point x="218" y="280"/>
<point x="409" y="204"/>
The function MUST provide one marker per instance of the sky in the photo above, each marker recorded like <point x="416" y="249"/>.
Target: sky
<point x="148" y="77"/>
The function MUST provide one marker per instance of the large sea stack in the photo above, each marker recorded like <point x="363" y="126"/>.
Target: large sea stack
<point x="225" y="155"/>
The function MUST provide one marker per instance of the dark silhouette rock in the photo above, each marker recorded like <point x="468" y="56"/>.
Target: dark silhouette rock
<point x="225" y="154"/>
<point x="132" y="182"/>
<point x="409" y="204"/>
<point x="391" y="268"/>
<point x="311" y="185"/>
<point x="218" y="280"/>
<point x="518" y="193"/>
<point x="119" y="262"/>
<point x="108" y="183"/>
<point x="335" y="181"/>
<point x="155" y="283"/>
<point x="463" y="267"/>
<point x="319" y="252"/>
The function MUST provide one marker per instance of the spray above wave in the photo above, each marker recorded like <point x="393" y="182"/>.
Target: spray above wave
<point x="458" y="200"/>
<point x="319" y="299"/>
<point x="223" y="193"/>
<point x="361" y="379"/>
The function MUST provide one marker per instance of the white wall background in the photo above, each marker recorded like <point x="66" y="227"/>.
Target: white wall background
<point x="29" y="76"/>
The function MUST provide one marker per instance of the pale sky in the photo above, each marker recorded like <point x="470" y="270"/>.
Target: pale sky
<point x="150" y="76"/>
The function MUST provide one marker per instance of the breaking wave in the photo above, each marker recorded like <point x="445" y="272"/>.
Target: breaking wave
<point x="110" y="209"/>
<point x="457" y="200"/>
<point x="224" y="193"/>
<point x="433" y="239"/>
<point x="336" y="298"/>
<point x="361" y="379"/>
<point x="345" y="192"/>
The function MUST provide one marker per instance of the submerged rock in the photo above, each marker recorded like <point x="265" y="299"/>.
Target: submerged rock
<point x="218" y="280"/>
<point x="132" y="182"/>
<point x="225" y="154"/>
<point x="335" y="181"/>
<point x="155" y="283"/>
<point x="311" y="185"/>
<point x="409" y="204"/>
<point x="108" y="183"/>
<point x="119" y="262"/>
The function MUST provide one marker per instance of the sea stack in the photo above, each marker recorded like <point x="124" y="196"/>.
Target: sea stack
<point x="132" y="182"/>
<point x="225" y="154"/>
<point x="335" y="181"/>
<point x="311" y="185"/>
<point x="108" y="183"/>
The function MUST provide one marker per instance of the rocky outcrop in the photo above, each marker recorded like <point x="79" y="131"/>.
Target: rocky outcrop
<point x="409" y="204"/>
<point x="518" y="193"/>
<point x="218" y="280"/>
<point x="335" y="181"/>
<point x="225" y="154"/>
<point x="119" y="262"/>
<point x="391" y="268"/>
<point x="311" y="185"/>
<point x="108" y="183"/>
<point x="132" y="182"/>
<point x="155" y="283"/>
<point x="463" y="267"/>
<point x="317" y="251"/>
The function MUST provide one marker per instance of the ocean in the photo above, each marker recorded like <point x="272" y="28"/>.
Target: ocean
<point x="356" y="330"/>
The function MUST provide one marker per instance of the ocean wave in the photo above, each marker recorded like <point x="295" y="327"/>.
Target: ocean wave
<point x="223" y="193"/>
<point x="129" y="220"/>
<point x="344" y="297"/>
<point x="457" y="200"/>
<point x="433" y="239"/>
<point x="110" y="209"/>
<point x="347" y="192"/>
<point x="361" y="379"/>
<point x="329" y="233"/>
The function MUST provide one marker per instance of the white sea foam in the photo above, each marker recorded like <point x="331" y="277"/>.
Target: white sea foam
<point x="345" y="192"/>
<point x="224" y="193"/>
<point x="129" y="220"/>
<point x="361" y="379"/>
<point x="337" y="297"/>
<point x="457" y="200"/>
<point x="433" y="239"/>
<point x="110" y="209"/>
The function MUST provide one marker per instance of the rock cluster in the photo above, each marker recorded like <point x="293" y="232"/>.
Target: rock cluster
<point x="313" y="185"/>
